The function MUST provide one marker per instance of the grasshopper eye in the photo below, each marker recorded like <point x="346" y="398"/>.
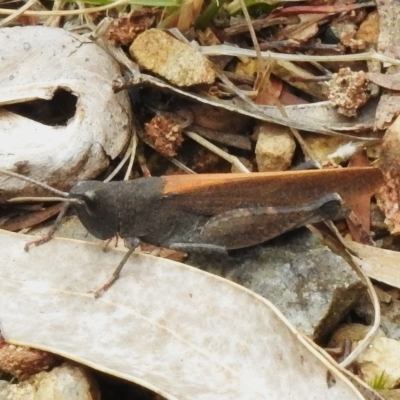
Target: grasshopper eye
<point x="90" y="196"/>
<point x="91" y="201"/>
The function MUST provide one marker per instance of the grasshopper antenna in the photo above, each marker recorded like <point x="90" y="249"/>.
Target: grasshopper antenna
<point x="62" y="196"/>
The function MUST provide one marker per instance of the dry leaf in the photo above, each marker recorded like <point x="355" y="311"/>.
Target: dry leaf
<point x="317" y="117"/>
<point x="360" y="226"/>
<point x="24" y="221"/>
<point x="379" y="264"/>
<point x="388" y="81"/>
<point x="179" y="331"/>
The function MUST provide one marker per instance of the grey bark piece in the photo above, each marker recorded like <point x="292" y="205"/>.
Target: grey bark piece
<point x="36" y="63"/>
<point x="312" y="286"/>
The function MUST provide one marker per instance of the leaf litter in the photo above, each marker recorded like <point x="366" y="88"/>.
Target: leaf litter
<point x="299" y="80"/>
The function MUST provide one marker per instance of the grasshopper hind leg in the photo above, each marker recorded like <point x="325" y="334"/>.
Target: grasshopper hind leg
<point x="245" y="227"/>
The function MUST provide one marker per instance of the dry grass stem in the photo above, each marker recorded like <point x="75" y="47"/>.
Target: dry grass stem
<point x="17" y="13"/>
<point x="223" y="154"/>
<point x="239" y="52"/>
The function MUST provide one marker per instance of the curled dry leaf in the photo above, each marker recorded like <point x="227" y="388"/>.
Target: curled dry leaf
<point x="179" y="331"/>
<point x="318" y="118"/>
<point x="45" y="72"/>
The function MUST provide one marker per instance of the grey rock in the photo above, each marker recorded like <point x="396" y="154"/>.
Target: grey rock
<point x="312" y="286"/>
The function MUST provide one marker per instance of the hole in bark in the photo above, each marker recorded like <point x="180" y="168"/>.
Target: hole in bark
<point x="54" y="112"/>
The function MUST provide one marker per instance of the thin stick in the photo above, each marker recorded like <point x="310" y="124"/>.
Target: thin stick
<point x="132" y="158"/>
<point x="55" y="21"/>
<point x="223" y="154"/>
<point x="364" y="343"/>
<point x="306" y="150"/>
<point x="226" y="50"/>
<point x="237" y="91"/>
<point x="180" y="165"/>
<point x="260" y="64"/>
<point x="120" y="165"/>
<point x="174" y="161"/>
<point x="34" y="181"/>
<point x="142" y="162"/>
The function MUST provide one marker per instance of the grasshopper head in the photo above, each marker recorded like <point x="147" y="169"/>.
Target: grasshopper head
<point x="98" y="211"/>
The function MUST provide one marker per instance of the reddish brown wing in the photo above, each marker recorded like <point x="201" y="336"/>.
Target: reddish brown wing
<point x="215" y="193"/>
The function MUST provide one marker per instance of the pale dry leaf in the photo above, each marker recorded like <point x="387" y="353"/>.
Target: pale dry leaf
<point x="323" y="114"/>
<point x="377" y="263"/>
<point x="179" y="331"/>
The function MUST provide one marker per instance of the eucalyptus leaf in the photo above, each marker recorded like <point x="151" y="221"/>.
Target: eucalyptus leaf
<point x="182" y="332"/>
